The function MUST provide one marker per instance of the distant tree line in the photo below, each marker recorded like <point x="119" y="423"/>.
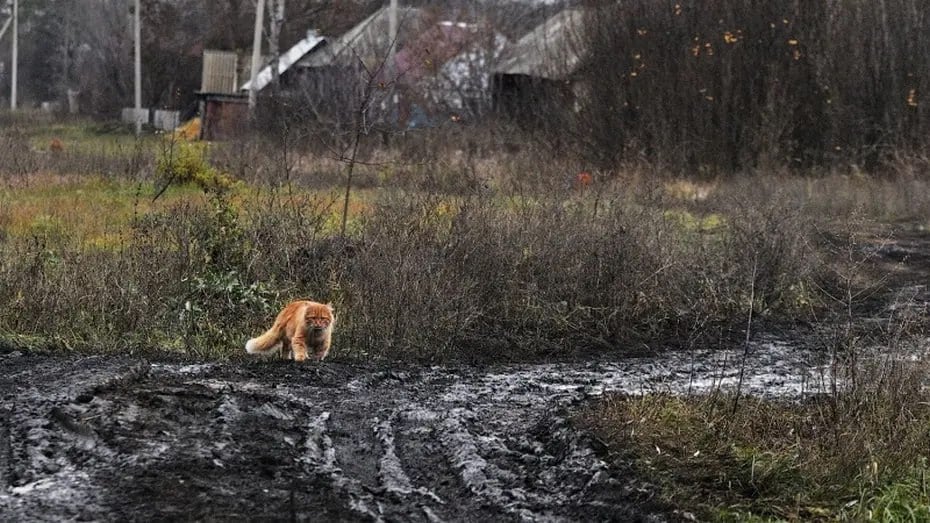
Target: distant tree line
<point x="742" y="84"/>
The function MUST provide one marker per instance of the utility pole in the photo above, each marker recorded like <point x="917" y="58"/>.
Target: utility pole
<point x="138" y="31"/>
<point x="391" y="65"/>
<point x="15" y="72"/>
<point x="274" y="37"/>
<point x="256" y="54"/>
<point x="392" y="29"/>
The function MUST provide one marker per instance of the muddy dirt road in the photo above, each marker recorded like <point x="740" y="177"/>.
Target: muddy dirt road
<point x="111" y="438"/>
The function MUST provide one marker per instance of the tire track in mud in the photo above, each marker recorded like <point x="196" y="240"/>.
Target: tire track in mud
<point x="6" y="449"/>
<point x="43" y="448"/>
<point x="116" y="438"/>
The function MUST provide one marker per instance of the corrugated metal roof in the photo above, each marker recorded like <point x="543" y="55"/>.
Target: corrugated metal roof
<point x="285" y="61"/>
<point x="219" y="72"/>
<point x="552" y="50"/>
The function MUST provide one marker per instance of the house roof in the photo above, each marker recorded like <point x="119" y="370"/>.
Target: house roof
<point x="369" y="41"/>
<point x="285" y="60"/>
<point x="552" y="50"/>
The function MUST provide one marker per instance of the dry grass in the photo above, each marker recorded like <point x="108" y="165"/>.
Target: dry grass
<point x="91" y="209"/>
<point x="422" y="274"/>
<point x="859" y="455"/>
<point x="450" y="255"/>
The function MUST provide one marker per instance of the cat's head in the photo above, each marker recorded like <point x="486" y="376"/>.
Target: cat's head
<point x="320" y="316"/>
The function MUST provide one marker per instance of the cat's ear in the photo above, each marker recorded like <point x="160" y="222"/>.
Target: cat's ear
<point x="329" y="305"/>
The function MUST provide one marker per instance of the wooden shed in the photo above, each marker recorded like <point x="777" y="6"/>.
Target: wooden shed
<point x="224" y="109"/>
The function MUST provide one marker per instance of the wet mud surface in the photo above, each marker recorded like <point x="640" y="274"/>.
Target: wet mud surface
<point x="111" y="438"/>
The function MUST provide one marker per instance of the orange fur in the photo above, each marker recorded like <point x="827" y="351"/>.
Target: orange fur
<point x="300" y="325"/>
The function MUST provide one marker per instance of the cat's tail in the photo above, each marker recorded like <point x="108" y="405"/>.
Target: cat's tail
<point x="266" y="341"/>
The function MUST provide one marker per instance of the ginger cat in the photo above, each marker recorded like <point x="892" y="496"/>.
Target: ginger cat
<point x="301" y="324"/>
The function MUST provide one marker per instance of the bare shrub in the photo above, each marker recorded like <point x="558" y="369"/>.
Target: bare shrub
<point x="419" y="274"/>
